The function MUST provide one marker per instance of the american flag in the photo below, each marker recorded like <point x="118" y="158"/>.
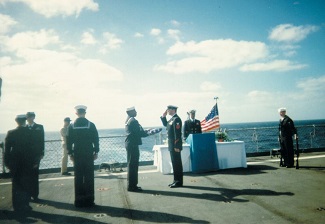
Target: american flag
<point x="211" y="121"/>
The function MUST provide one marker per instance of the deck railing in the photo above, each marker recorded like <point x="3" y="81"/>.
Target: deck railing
<point x="256" y="140"/>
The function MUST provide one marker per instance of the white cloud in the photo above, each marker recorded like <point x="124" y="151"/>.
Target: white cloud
<point x="6" y="23"/>
<point x="34" y="40"/>
<point x="138" y="35"/>
<point x="88" y="39"/>
<point x="155" y="32"/>
<point x="277" y="65"/>
<point x="175" y="23"/>
<point x="210" y="55"/>
<point x="111" y="42"/>
<point x="312" y="84"/>
<point x="174" y="34"/>
<point x="291" y="33"/>
<point x="51" y="8"/>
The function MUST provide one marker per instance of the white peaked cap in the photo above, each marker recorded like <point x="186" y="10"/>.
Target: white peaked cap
<point x="80" y="107"/>
<point x="130" y="109"/>
<point x="282" y="109"/>
<point x="21" y="116"/>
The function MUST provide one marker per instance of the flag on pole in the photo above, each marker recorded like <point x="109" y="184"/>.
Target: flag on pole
<point x="211" y="121"/>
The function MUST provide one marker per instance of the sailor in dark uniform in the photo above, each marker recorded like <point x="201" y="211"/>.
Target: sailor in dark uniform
<point x="19" y="160"/>
<point x="174" y="132"/>
<point x="37" y="135"/>
<point x="83" y="148"/>
<point x="134" y="133"/>
<point x="286" y="131"/>
<point x="192" y="125"/>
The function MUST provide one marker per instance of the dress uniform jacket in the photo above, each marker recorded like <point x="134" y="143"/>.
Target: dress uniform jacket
<point x="192" y="127"/>
<point x="19" y="160"/>
<point x="174" y="132"/>
<point x="134" y="133"/>
<point x="82" y="143"/>
<point x="286" y="131"/>
<point x="38" y="146"/>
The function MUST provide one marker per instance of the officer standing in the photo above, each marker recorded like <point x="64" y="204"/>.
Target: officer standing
<point x="83" y="148"/>
<point x="134" y="133"/>
<point x="19" y="160"/>
<point x="38" y="145"/>
<point x="174" y="132"/>
<point x="286" y="131"/>
<point x="192" y="125"/>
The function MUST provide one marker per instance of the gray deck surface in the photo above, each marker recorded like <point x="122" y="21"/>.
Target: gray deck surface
<point x="261" y="193"/>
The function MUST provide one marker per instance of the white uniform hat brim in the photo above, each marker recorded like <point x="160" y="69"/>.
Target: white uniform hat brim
<point x="282" y="109"/>
<point x="130" y="109"/>
<point x="80" y="107"/>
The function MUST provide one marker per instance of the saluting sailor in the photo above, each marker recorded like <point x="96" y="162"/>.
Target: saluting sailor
<point x="192" y="125"/>
<point x="174" y="132"/>
<point x="83" y="148"/>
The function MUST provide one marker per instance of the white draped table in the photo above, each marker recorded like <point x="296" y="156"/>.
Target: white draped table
<point x="229" y="155"/>
<point x="163" y="162"/>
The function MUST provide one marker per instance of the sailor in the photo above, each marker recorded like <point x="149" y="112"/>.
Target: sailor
<point x="83" y="148"/>
<point x="286" y="131"/>
<point x="19" y="160"/>
<point x="38" y="146"/>
<point x="191" y="125"/>
<point x="174" y="132"/>
<point x="134" y="133"/>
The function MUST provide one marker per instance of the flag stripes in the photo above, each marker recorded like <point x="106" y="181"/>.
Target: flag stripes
<point x="211" y="121"/>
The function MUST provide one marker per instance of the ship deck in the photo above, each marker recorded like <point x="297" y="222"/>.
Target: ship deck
<point x="261" y="193"/>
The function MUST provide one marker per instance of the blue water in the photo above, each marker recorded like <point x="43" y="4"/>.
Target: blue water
<point x="266" y="139"/>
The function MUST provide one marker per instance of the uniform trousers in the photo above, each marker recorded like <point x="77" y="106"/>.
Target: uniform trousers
<point x="287" y="151"/>
<point x="84" y="180"/>
<point x="64" y="162"/>
<point x="21" y="188"/>
<point x="177" y="165"/>
<point x="133" y="155"/>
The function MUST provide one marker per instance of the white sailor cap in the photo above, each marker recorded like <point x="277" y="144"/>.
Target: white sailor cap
<point x="130" y="109"/>
<point x="21" y="116"/>
<point x="192" y="111"/>
<point x="282" y="109"/>
<point x="80" y="107"/>
<point x="172" y="107"/>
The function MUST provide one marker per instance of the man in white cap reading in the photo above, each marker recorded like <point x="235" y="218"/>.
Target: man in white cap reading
<point x="83" y="148"/>
<point x="286" y="131"/>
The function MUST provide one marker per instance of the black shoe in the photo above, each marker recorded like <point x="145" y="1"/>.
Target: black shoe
<point x="66" y="173"/>
<point x="135" y="189"/>
<point x="35" y="199"/>
<point x="171" y="184"/>
<point x="176" y="184"/>
<point x="25" y="208"/>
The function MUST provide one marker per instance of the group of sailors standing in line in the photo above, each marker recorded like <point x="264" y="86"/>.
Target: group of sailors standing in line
<point x="24" y="148"/>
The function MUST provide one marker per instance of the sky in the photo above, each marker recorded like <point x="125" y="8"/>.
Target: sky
<point x="254" y="55"/>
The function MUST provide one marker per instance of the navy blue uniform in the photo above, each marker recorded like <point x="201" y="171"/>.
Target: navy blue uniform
<point x="82" y="144"/>
<point x="174" y="132"/>
<point x="19" y="159"/>
<point x="38" y="145"/>
<point x="286" y="131"/>
<point x="134" y="133"/>
<point x="192" y="127"/>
